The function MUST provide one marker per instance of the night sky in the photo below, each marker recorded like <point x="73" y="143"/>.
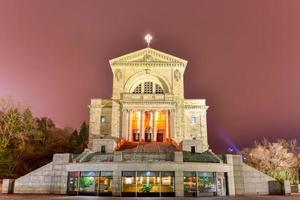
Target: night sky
<point x="243" y="57"/>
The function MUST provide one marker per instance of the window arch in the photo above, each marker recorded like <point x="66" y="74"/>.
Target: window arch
<point x="148" y="87"/>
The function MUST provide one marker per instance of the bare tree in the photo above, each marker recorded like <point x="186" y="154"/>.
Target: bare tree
<point x="278" y="159"/>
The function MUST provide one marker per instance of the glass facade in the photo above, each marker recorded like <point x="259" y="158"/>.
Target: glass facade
<point x="207" y="183"/>
<point x="204" y="184"/>
<point x="167" y="184"/>
<point x="148" y="183"/>
<point x="129" y="183"/>
<point x="190" y="184"/>
<point x="90" y="183"/>
<point x="73" y="187"/>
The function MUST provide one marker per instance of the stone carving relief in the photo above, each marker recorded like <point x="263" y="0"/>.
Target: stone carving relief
<point x="118" y="75"/>
<point x="177" y="75"/>
<point x="147" y="58"/>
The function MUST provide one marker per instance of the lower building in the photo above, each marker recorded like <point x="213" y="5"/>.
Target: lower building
<point x="147" y="140"/>
<point x="144" y="172"/>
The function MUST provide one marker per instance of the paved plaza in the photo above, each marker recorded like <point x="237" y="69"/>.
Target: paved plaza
<point x="61" y="197"/>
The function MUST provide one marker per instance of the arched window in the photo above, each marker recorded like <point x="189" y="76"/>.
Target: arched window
<point x="148" y="87"/>
<point x="158" y="89"/>
<point x="138" y="89"/>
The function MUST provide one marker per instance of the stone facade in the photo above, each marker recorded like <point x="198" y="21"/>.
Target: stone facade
<point x="104" y="145"/>
<point x="186" y="118"/>
<point x="51" y="178"/>
<point x="163" y="131"/>
<point x="249" y="180"/>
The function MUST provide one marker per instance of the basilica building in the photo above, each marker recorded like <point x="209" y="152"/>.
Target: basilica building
<point x="146" y="140"/>
<point x="148" y="104"/>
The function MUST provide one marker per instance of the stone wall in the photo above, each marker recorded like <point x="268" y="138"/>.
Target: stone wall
<point x="195" y="109"/>
<point x="7" y="186"/>
<point x="198" y="144"/>
<point x="37" y="181"/>
<point x="51" y="178"/>
<point x="105" y="128"/>
<point x="95" y="113"/>
<point x="249" y="180"/>
<point x="109" y="144"/>
<point x="192" y="129"/>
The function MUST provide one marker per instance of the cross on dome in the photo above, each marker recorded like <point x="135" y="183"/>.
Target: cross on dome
<point x="148" y="39"/>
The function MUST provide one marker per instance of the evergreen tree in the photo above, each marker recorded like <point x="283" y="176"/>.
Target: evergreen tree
<point x="84" y="134"/>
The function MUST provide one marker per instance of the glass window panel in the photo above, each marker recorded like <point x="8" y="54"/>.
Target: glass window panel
<point x="207" y="184"/>
<point x="106" y="183"/>
<point x="148" y="87"/>
<point x="167" y="173"/>
<point x="189" y="174"/>
<point x="147" y="173"/>
<point x="89" y="174"/>
<point x="106" y="173"/>
<point x="128" y="184"/>
<point x="76" y="174"/>
<point x="128" y="173"/>
<point x="193" y="120"/>
<point x="158" y="89"/>
<point x="88" y="184"/>
<point x="148" y="184"/>
<point x="73" y="182"/>
<point x="102" y="119"/>
<point x="190" y="185"/>
<point x="167" y="184"/>
<point x="138" y="89"/>
<point x="205" y="174"/>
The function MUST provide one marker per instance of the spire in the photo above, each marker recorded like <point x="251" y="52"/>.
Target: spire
<point x="148" y="39"/>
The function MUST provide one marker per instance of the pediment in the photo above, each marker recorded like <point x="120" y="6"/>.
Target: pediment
<point x="148" y="56"/>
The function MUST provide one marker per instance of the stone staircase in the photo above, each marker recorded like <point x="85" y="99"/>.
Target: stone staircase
<point x="83" y="156"/>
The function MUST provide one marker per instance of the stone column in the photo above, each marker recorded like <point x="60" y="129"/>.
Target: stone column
<point x="60" y="173"/>
<point x="142" y="134"/>
<point x="179" y="192"/>
<point x="151" y="124"/>
<point x="236" y="184"/>
<point x="124" y="125"/>
<point x="8" y="186"/>
<point x="117" y="182"/>
<point x="129" y="126"/>
<point x="167" y="125"/>
<point x="94" y="124"/>
<point x="172" y="115"/>
<point x="203" y="127"/>
<point x="154" y="124"/>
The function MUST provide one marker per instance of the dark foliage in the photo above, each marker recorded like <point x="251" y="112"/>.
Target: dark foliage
<point x="27" y="142"/>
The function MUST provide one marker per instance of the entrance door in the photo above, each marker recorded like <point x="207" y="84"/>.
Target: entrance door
<point x="148" y="137"/>
<point x="160" y="137"/>
<point x="136" y="137"/>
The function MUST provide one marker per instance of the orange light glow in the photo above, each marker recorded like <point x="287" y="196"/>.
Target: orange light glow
<point x="136" y="118"/>
<point x="161" y="121"/>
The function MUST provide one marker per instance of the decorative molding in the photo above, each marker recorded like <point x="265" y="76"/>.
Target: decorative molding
<point x="118" y="74"/>
<point x="186" y="107"/>
<point x="148" y="57"/>
<point x="177" y="75"/>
